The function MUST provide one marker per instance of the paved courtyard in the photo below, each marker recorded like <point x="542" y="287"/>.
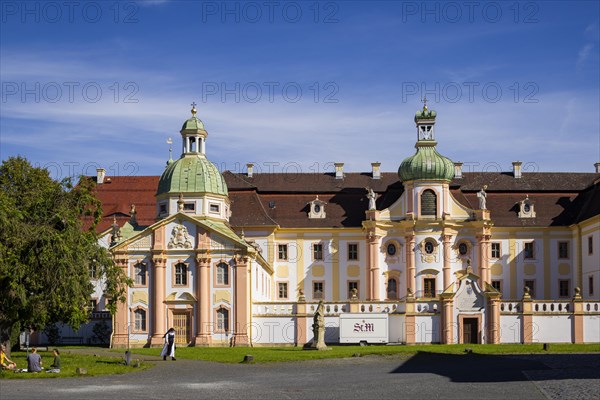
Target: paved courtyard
<point x="425" y="375"/>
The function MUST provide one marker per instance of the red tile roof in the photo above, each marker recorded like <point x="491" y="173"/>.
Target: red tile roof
<point x="281" y="199"/>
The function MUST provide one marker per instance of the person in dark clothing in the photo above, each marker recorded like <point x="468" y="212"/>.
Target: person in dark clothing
<point x="169" y="347"/>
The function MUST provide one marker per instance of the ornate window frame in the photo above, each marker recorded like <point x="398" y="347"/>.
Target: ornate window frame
<point x="174" y="274"/>
<point x="216" y="274"/>
<point x="134" y="273"/>
<point x="429" y="257"/>
<point x="216" y="319"/>
<point x="134" y="311"/>
<point x="468" y="254"/>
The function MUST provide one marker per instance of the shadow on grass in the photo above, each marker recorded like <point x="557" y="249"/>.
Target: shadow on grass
<point x="500" y="368"/>
<point x="112" y="362"/>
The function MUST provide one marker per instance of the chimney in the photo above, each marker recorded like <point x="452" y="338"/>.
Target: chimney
<point x="517" y="169"/>
<point x="376" y="172"/>
<point x="339" y="170"/>
<point x="458" y="170"/>
<point x="597" y="165"/>
<point x="250" y="167"/>
<point x="100" y="174"/>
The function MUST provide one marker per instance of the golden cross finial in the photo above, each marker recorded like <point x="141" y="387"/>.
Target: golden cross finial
<point x="424" y="103"/>
<point x="194" y="111"/>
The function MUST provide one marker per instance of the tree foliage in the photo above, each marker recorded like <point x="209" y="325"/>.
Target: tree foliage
<point x="45" y="254"/>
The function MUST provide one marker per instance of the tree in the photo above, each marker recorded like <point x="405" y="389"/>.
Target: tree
<point x="45" y="252"/>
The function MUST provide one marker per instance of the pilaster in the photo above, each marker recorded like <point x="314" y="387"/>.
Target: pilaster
<point x="240" y="337"/>
<point x="577" y="317"/>
<point x="120" y="337"/>
<point x="410" y="319"/>
<point x="527" y="307"/>
<point x="158" y="304"/>
<point x="410" y="263"/>
<point x="373" y="258"/>
<point x="203" y="331"/>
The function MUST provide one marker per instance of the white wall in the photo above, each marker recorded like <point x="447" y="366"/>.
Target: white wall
<point x="591" y="328"/>
<point x="511" y="329"/>
<point x="552" y="328"/>
<point x="397" y="328"/>
<point x="273" y="330"/>
<point x="427" y="329"/>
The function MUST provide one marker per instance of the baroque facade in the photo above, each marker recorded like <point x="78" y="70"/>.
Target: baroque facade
<point x="451" y="256"/>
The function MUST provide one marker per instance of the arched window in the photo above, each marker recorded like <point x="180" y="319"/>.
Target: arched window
<point x="140" y="319"/>
<point x="222" y="320"/>
<point x="222" y="274"/>
<point x="140" y="271"/>
<point x="428" y="202"/>
<point x="181" y="274"/>
<point x="392" y="288"/>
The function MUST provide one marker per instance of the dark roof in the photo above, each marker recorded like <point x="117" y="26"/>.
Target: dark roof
<point x="282" y="199"/>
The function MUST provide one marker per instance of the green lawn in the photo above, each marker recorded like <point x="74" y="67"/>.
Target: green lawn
<point x="274" y="354"/>
<point x="70" y="362"/>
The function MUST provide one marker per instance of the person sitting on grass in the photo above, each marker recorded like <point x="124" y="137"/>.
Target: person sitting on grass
<point x="34" y="361"/>
<point x="6" y="362"/>
<point x="55" y="367"/>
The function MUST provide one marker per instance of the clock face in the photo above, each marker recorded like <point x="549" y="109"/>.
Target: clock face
<point x="317" y="208"/>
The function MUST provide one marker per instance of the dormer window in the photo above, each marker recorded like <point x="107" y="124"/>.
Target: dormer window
<point x="162" y="209"/>
<point x="316" y="209"/>
<point x="189" y="207"/>
<point x="214" y="208"/>
<point x="526" y="208"/>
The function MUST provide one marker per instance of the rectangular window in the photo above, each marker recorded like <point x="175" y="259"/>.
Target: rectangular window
<point x="318" y="293"/>
<point x="429" y="287"/>
<point x="563" y="249"/>
<point x="222" y="320"/>
<point x="591" y="285"/>
<point x="282" y="252"/>
<point x="352" y="251"/>
<point x="222" y="274"/>
<point x="317" y="251"/>
<point x="590" y="245"/>
<point x="181" y="274"/>
<point x="93" y="270"/>
<point x="531" y="285"/>
<point x="189" y="207"/>
<point x="351" y="286"/>
<point x="282" y="290"/>
<point x="214" y="208"/>
<point x="496" y="250"/>
<point x="529" y="250"/>
<point x="497" y="285"/>
<point x="563" y="288"/>
<point x="162" y="209"/>
<point x="140" y="320"/>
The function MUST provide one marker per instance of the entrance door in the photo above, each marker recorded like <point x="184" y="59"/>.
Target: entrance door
<point x="470" y="331"/>
<point x="182" y="325"/>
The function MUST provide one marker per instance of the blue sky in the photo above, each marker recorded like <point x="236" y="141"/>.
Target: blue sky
<point x="295" y="86"/>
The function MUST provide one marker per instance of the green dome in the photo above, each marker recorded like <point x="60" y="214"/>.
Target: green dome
<point x="427" y="164"/>
<point x="193" y="124"/>
<point x="192" y="173"/>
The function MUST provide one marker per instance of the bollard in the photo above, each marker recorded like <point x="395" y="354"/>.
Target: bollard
<point x="127" y="358"/>
<point x="248" y="359"/>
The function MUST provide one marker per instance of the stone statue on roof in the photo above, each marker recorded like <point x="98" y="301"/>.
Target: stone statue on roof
<point x="482" y="196"/>
<point x="372" y="197"/>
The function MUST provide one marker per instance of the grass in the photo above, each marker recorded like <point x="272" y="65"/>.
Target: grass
<point x="277" y="354"/>
<point x="95" y="366"/>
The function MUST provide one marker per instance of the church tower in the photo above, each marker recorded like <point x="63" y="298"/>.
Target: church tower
<point x="192" y="184"/>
